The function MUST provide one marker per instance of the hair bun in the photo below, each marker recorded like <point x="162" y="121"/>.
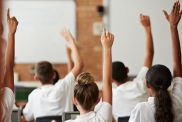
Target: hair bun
<point x="85" y="79"/>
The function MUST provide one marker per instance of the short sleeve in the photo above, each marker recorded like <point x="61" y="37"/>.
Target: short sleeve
<point x="142" y="74"/>
<point x="66" y="83"/>
<point x="9" y="97"/>
<point x="135" y="114"/>
<point x="8" y="101"/>
<point x="28" y="110"/>
<point x="105" y="111"/>
<point x="177" y="87"/>
<point x="140" y="80"/>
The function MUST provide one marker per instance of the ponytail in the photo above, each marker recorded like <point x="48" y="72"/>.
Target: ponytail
<point x="163" y="107"/>
<point x="159" y="77"/>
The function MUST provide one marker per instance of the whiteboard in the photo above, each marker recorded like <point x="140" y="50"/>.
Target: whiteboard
<point x="130" y="37"/>
<point x="40" y="22"/>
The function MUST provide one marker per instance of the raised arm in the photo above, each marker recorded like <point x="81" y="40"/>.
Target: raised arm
<point x="78" y="64"/>
<point x="107" y="41"/>
<point x="173" y="19"/>
<point x="69" y="59"/>
<point x="149" y="53"/>
<point x="10" y="53"/>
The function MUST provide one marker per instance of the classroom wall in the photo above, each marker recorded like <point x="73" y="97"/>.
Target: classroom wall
<point x="89" y="44"/>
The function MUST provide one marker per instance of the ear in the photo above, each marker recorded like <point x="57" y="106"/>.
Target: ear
<point x="98" y="100"/>
<point x="36" y="78"/>
<point x="148" y="85"/>
<point x="75" y="102"/>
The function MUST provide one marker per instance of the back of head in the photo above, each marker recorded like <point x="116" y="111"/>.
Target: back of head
<point x="159" y="78"/>
<point x="44" y="72"/>
<point x="119" y="72"/>
<point x="86" y="91"/>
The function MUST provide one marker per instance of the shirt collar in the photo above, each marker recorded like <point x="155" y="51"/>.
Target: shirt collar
<point x="46" y="86"/>
<point x="151" y="100"/>
<point x="87" y="116"/>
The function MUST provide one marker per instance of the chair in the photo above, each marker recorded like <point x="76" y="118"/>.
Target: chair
<point x="69" y="116"/>
<point x="123" y="119"/>
<point x="49" y="119"/>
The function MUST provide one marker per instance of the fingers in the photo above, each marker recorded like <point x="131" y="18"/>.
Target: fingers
<point x="8" y="14"/>
<point x="176" y="7"/>
<point x="104" y="32"/>
<point x="144" y="17"/>
<point x="173" y="10"/>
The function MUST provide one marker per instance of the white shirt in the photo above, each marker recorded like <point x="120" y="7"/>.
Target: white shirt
<point x="51" y="99"/>
<point x="127" y="95"/>
<point x="103" y="114"/>
<point x="144" y="112"/>
<point x="7" y="103"/>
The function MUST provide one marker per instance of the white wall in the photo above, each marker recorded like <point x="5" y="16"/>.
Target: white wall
<point x="40" y="22"/>
<point x="129" y="46"/>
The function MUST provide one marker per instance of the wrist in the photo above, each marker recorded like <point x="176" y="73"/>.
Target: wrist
<point x="172" y="26"/>
<point x="11" y="33"/>
<point x="148" y="28"/>
<point x="107" y="48"/>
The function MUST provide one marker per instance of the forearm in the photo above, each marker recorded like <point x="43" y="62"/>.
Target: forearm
<point x="9" y="73"/>
<point x="76" y="58"/>
<point x="10" y="51"/>
<point x="69" y="59"/>
<point x="176" y="48"/>
<point x="70" y="65"/>
<point x="149" y="53"/>
<point x="107" y="70"/>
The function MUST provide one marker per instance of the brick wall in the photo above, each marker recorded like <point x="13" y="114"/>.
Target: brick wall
<point x="89" y="44"/>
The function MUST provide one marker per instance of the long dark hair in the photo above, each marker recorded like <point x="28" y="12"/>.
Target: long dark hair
<point x="159" y="77"/>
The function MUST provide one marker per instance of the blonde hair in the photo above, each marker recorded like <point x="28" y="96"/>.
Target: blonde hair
<point x="86" y="91"/>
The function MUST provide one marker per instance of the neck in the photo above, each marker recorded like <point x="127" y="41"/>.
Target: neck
<point x="152" y="93"/>
<point x="46" y="83"/>
<point x="82" y="111"/>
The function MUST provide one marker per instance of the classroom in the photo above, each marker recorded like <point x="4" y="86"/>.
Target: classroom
<point x="90" y="61"/>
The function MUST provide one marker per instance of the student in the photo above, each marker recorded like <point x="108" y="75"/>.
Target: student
<point x="8" y="79"/>
<point x="86" y="92"/>
<point x="53" y="99"/>
<point x="129" y="93"/>
<point x="164" y="106"/>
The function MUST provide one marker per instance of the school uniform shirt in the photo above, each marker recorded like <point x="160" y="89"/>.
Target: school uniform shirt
<point x="51" y="99"/>
<point x="7" y="103"/>
<point x="103" y="114"/>
<point x="144" y="112"/>
<point x="127" y="95"/>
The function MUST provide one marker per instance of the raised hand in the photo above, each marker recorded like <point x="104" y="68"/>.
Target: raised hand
<point x="12" y="22"/>
<point x="145" y="20"/>
<point x="66" y="34"/>
<point x="175" y="15"/>
<point x="107" y="39"/>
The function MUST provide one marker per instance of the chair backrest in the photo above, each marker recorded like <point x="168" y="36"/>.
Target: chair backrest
<point x="69" y="116"/>
<point x="49" y="119"/>
<point x="15" y="116"/>
<point x="123" y="119"/>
